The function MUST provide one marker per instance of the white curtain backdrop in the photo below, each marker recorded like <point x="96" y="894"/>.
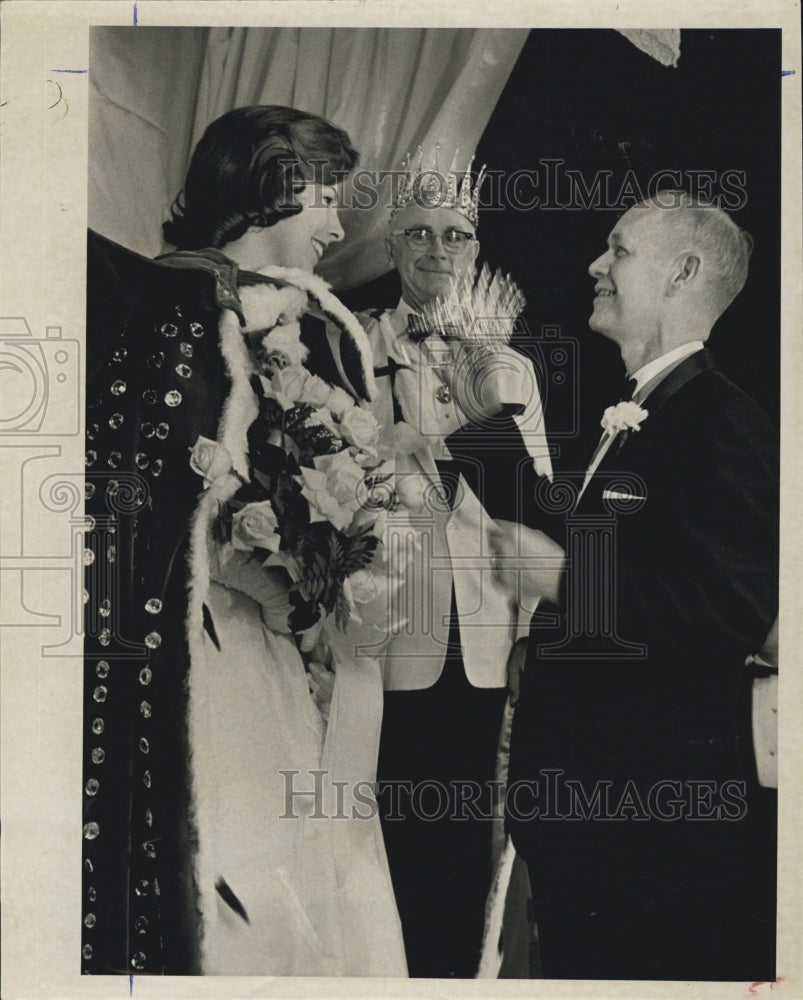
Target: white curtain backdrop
<point x="153" y="91"/>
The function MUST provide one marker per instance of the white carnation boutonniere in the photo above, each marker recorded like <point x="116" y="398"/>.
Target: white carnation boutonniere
<point x="625" y="416"/>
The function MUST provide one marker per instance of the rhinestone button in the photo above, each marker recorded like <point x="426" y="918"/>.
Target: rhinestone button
<point x="168" y="329"/>
<point x="156" y="360"/>
<point x="183" y="370"/>
<point x="89" y="490"/>
<point x="99" y="694"/>
<point x="92" y="431"/>
<point x="173" y="397"/>
<point x="150" y="397"/>
<point x="98" y="755"/>
<point x="91" y="458"/>
<point x="114" y="459"/>
<point x="91" y="894"/>
<point x="145" y="675"/>
<point x="156" y="468"/>
<point x="141" y="459"/>
<point x="86" y="951"/>
<point x="120" y="354"/>
<point x="146" y="779"/>
<point x="153" y="606"/>
<point x="105" y="610"/>
<point x="144" y="746"/>
<point x="162" y="430"/>
<point x="196" y="330"/>
<point x="145" y="709"/>
<point x="90" y="920"/>
<point x="98" y="725"/>
<point x="141" y="925"/>
<point x="105" y="637"/>
<point x="153" y="640"/>
<point x="92" y="786"/>
<point x="89" y="557"/>
<point x="149" y="849"/>
<point x="138" y="960"/>
<point x="118" y="387"/>
<point x="111" y="553"/>
<point x="88" y="866"/>
<point x="186" y="349"/>
<point x="143" y="887"/>
<point x="116" y="421"/>
<point x="91" y="831"/>
<point x="102" y="669"/>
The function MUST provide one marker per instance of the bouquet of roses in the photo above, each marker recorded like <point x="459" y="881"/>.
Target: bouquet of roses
<point x="306" y="522"/>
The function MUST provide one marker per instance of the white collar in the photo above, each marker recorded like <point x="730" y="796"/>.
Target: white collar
<point x="650" y="371"/>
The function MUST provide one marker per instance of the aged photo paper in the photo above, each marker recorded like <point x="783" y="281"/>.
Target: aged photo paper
<point x="578" y="111"/>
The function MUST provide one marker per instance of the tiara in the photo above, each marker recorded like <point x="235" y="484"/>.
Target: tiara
<point x="429" y="188"/>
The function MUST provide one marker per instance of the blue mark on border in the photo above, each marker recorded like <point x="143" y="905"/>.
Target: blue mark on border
<point x="69" y="71"/>
<point x="135" y="12"/>
<point x="131" y="976"/>
<point x="787" y="72"/>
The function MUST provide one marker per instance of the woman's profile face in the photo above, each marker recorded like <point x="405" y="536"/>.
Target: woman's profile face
<point x="296" y="241"/>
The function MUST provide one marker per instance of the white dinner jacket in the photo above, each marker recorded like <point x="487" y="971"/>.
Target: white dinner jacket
<point x="446" y="547"/>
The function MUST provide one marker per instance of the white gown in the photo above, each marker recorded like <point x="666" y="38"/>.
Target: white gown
<point x="309" y="870"/>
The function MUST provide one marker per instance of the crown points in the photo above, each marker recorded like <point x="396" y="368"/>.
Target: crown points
<point x="432" y="189"/>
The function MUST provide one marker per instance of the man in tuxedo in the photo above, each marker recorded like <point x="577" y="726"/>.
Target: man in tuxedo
<point x="633" y="796"/>
<point x="445" y="670"/>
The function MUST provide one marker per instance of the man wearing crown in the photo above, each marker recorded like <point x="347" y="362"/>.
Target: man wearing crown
<point x="461" y="458"/>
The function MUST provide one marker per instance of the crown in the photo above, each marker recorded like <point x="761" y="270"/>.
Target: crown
<point x="430" y="188"/>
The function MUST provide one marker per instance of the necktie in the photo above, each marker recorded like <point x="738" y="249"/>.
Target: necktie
<point x="628" y="388"/>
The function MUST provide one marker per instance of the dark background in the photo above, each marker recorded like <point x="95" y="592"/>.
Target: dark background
<point x="593" y="100"/>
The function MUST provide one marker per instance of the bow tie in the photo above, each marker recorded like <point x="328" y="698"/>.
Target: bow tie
<point x="416" y="330"/>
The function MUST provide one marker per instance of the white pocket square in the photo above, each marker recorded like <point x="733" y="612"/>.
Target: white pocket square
<point x="619" y="495"/>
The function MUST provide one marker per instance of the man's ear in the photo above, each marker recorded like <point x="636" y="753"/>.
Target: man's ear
<point x="389" y="249"/>
<point x="685" y="271"/>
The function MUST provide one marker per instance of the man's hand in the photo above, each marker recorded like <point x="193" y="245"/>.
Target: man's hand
<point x="526" y="561"/>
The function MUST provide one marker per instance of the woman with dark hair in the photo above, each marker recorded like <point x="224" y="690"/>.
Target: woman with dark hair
<point x="229" y="825"/>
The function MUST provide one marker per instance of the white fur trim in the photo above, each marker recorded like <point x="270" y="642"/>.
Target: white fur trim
<point x="333" y="308"/>
<point x="239" y="411"/>
<point x="491" y="956"/>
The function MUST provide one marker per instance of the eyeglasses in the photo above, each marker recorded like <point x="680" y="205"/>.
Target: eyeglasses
<point x="422" y="238"/>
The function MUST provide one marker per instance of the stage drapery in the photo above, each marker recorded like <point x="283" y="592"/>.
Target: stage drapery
<point x="154" y="91"/>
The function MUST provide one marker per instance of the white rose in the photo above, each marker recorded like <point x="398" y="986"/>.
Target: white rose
<point x="316" y="391"/>
<point x="359" y="427"/>
<point x="288" y="385"/>
<point x="210" y="459"/>
<point x="255" y="527"/>
<point x="339" y="402"/>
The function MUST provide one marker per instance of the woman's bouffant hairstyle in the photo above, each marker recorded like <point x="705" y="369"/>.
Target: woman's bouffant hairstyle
<point x="246" y="168"/>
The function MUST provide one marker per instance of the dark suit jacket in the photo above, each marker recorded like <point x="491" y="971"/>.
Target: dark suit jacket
<point x="643" y="680"/>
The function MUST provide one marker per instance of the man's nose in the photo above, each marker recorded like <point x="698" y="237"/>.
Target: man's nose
<point x="437" y="247"/>
<point x="597" y="268"/>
